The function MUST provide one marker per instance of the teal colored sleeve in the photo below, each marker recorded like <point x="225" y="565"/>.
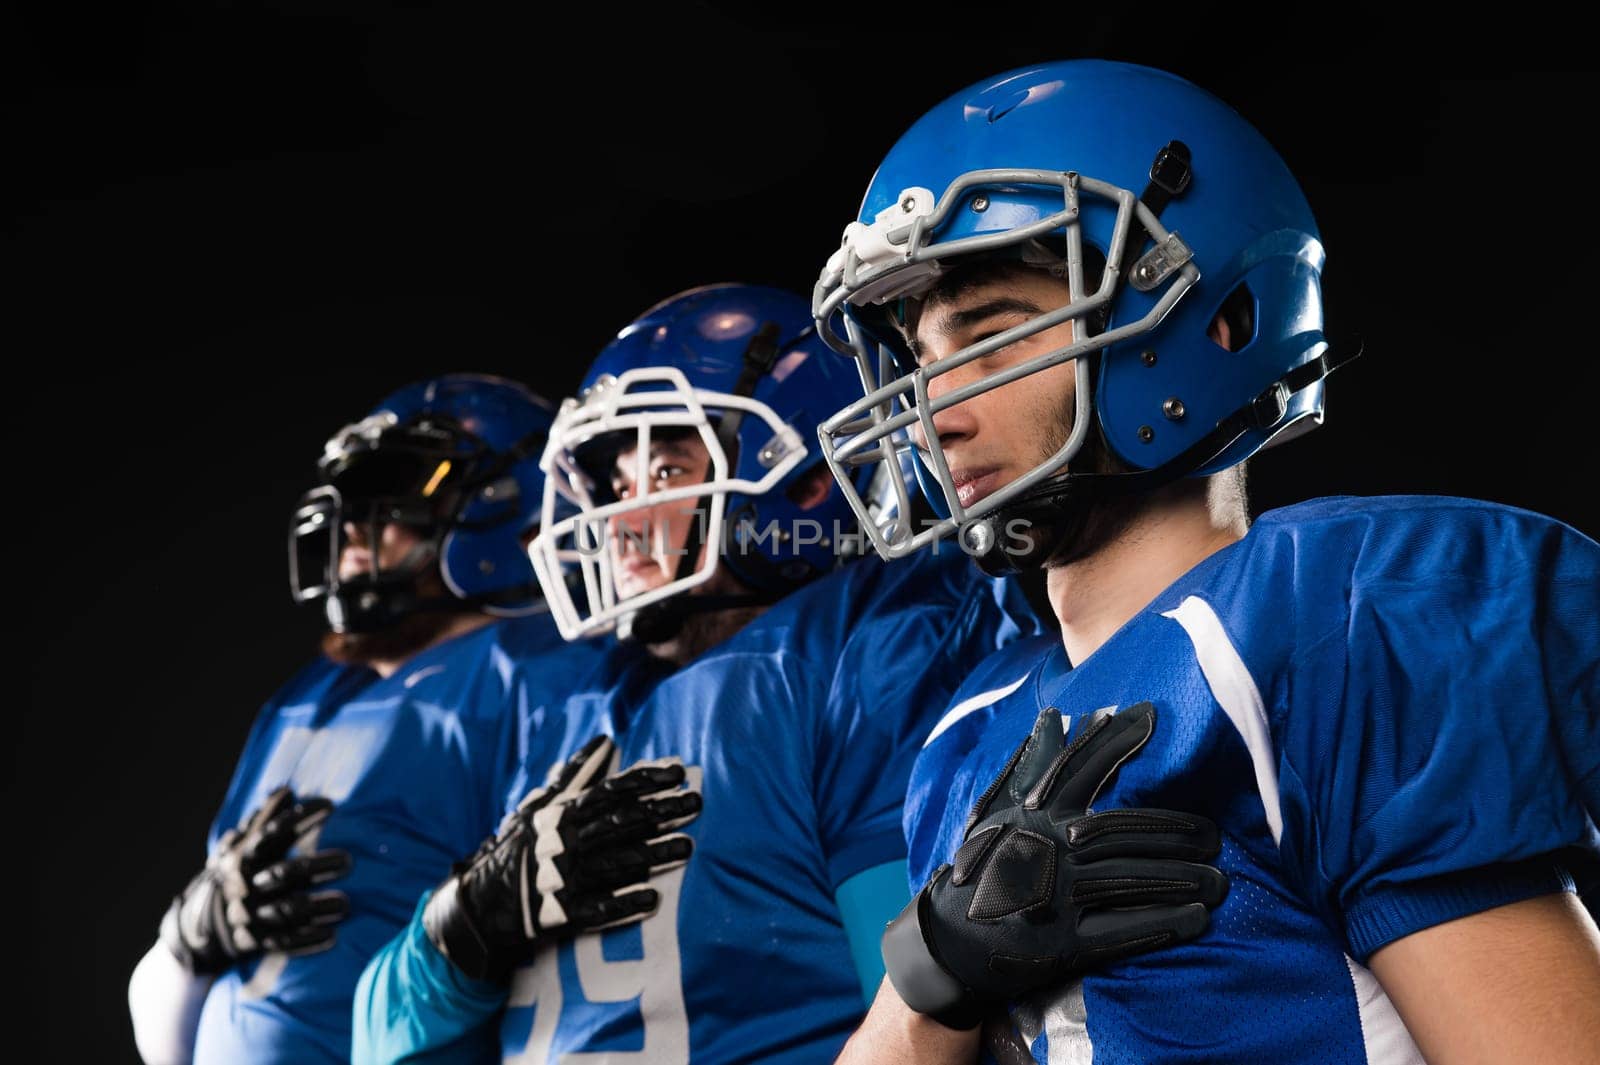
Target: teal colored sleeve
<point x="868" y="901"/>
<point x="413" y="1005"/>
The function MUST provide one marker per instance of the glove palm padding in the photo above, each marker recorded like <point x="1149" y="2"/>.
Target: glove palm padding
<point x="1042" y="889"/>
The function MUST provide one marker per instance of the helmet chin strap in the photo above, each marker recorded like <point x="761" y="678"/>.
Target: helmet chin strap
<point x="662" y="621"/>
<point x="1059" y="508"/>
<point x="371" y="601"/>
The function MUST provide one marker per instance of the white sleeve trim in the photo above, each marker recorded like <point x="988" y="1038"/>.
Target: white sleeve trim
<point x="1387" y="1040"/>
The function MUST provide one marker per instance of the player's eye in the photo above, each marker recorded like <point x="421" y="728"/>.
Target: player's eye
<point x="989" y="334"/>
<point x="1005" y="351"/>
<point x="667" y="472"/>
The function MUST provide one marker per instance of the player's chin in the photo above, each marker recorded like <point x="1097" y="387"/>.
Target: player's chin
<point x="631" y="584"/>
<point x="399" y="640"/>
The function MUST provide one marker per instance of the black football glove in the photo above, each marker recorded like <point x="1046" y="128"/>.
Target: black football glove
<point x="251" y="897"/>
<point x="573" y="857"/>
<point x="1042" y="889"/>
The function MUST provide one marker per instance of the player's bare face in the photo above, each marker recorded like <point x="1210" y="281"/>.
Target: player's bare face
<point x="395" y="543"/>
<point x="993" y="438"/>
<point x="647" y="544"/>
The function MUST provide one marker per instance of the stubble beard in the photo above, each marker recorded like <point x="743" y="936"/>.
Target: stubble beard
<point x="401" y="639"/>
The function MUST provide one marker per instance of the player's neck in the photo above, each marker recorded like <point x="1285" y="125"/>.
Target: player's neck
<point x="458" y="625"/>
<point x="1096" y="595"/>
<point x="701" y="631"/>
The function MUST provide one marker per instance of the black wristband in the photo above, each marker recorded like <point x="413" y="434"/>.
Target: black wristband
<point x="451" y="930"/>
<point x="921" y="982"/>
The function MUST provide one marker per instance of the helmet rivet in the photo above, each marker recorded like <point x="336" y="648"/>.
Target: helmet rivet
<point x="1173" y="408"/>
<point x="485" y="567"/>
<point x="908" y="204"/>
<point x="488" y="492"/>
<point x="1148" y="358"/>
<point x="978" y="537"/>
<point x="980" y="204"/>
<point x="1146" y="434"/>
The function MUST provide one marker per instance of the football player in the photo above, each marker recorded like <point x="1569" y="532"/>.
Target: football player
<point x="384" y="760"/>
<point x="1081" y="295"/>
<point x="685" y="490"/>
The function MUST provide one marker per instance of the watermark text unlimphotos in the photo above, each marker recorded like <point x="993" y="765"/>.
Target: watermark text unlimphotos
<point x="773" y="538"/>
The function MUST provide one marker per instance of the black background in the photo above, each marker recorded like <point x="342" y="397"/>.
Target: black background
<point x="240" y="226"/>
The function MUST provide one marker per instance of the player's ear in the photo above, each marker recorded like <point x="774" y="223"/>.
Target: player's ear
<point x="1221" y="332"/>
<point x="812" y="488"/>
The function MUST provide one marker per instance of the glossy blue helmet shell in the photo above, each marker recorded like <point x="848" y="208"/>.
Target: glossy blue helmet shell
<point x="1243" y="215"/>
<point x="704" y="333"/>
<point x="482" y="556"/>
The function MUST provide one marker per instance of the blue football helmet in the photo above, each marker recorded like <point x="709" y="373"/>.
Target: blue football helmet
<point x="740" y="368"/>
<point x="455" y="458"/>
<point x="1084" y="168"/>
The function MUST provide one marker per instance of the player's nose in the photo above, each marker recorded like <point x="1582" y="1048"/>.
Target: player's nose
<point x="953" y="424"/>
<point x="629" y="530"/>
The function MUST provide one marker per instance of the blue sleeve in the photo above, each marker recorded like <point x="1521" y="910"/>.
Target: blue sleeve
<point x="413" y="1005"/>
<point x="1439" y="739"/>
<point x="867" y="902"/>
<point x="860" y="783"/>
<point x="891" y="683"/>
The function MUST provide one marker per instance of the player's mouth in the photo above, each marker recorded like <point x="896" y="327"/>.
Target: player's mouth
<point x="974" y="485"/>
<point x="636" y="574"/>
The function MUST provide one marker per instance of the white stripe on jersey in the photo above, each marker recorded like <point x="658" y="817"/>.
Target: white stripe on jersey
<point x="967" y="706"/>
<point x="1388" y="1042"/>
<point x="1236" y="692"/>
<point x="1385" y="1035"/>
<point x="1063" y="1016"/>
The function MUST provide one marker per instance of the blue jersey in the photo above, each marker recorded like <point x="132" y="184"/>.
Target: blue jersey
<point x="800" y="732"/>
<point x="417" y="766"/>
<point x="1391" y="709"/>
